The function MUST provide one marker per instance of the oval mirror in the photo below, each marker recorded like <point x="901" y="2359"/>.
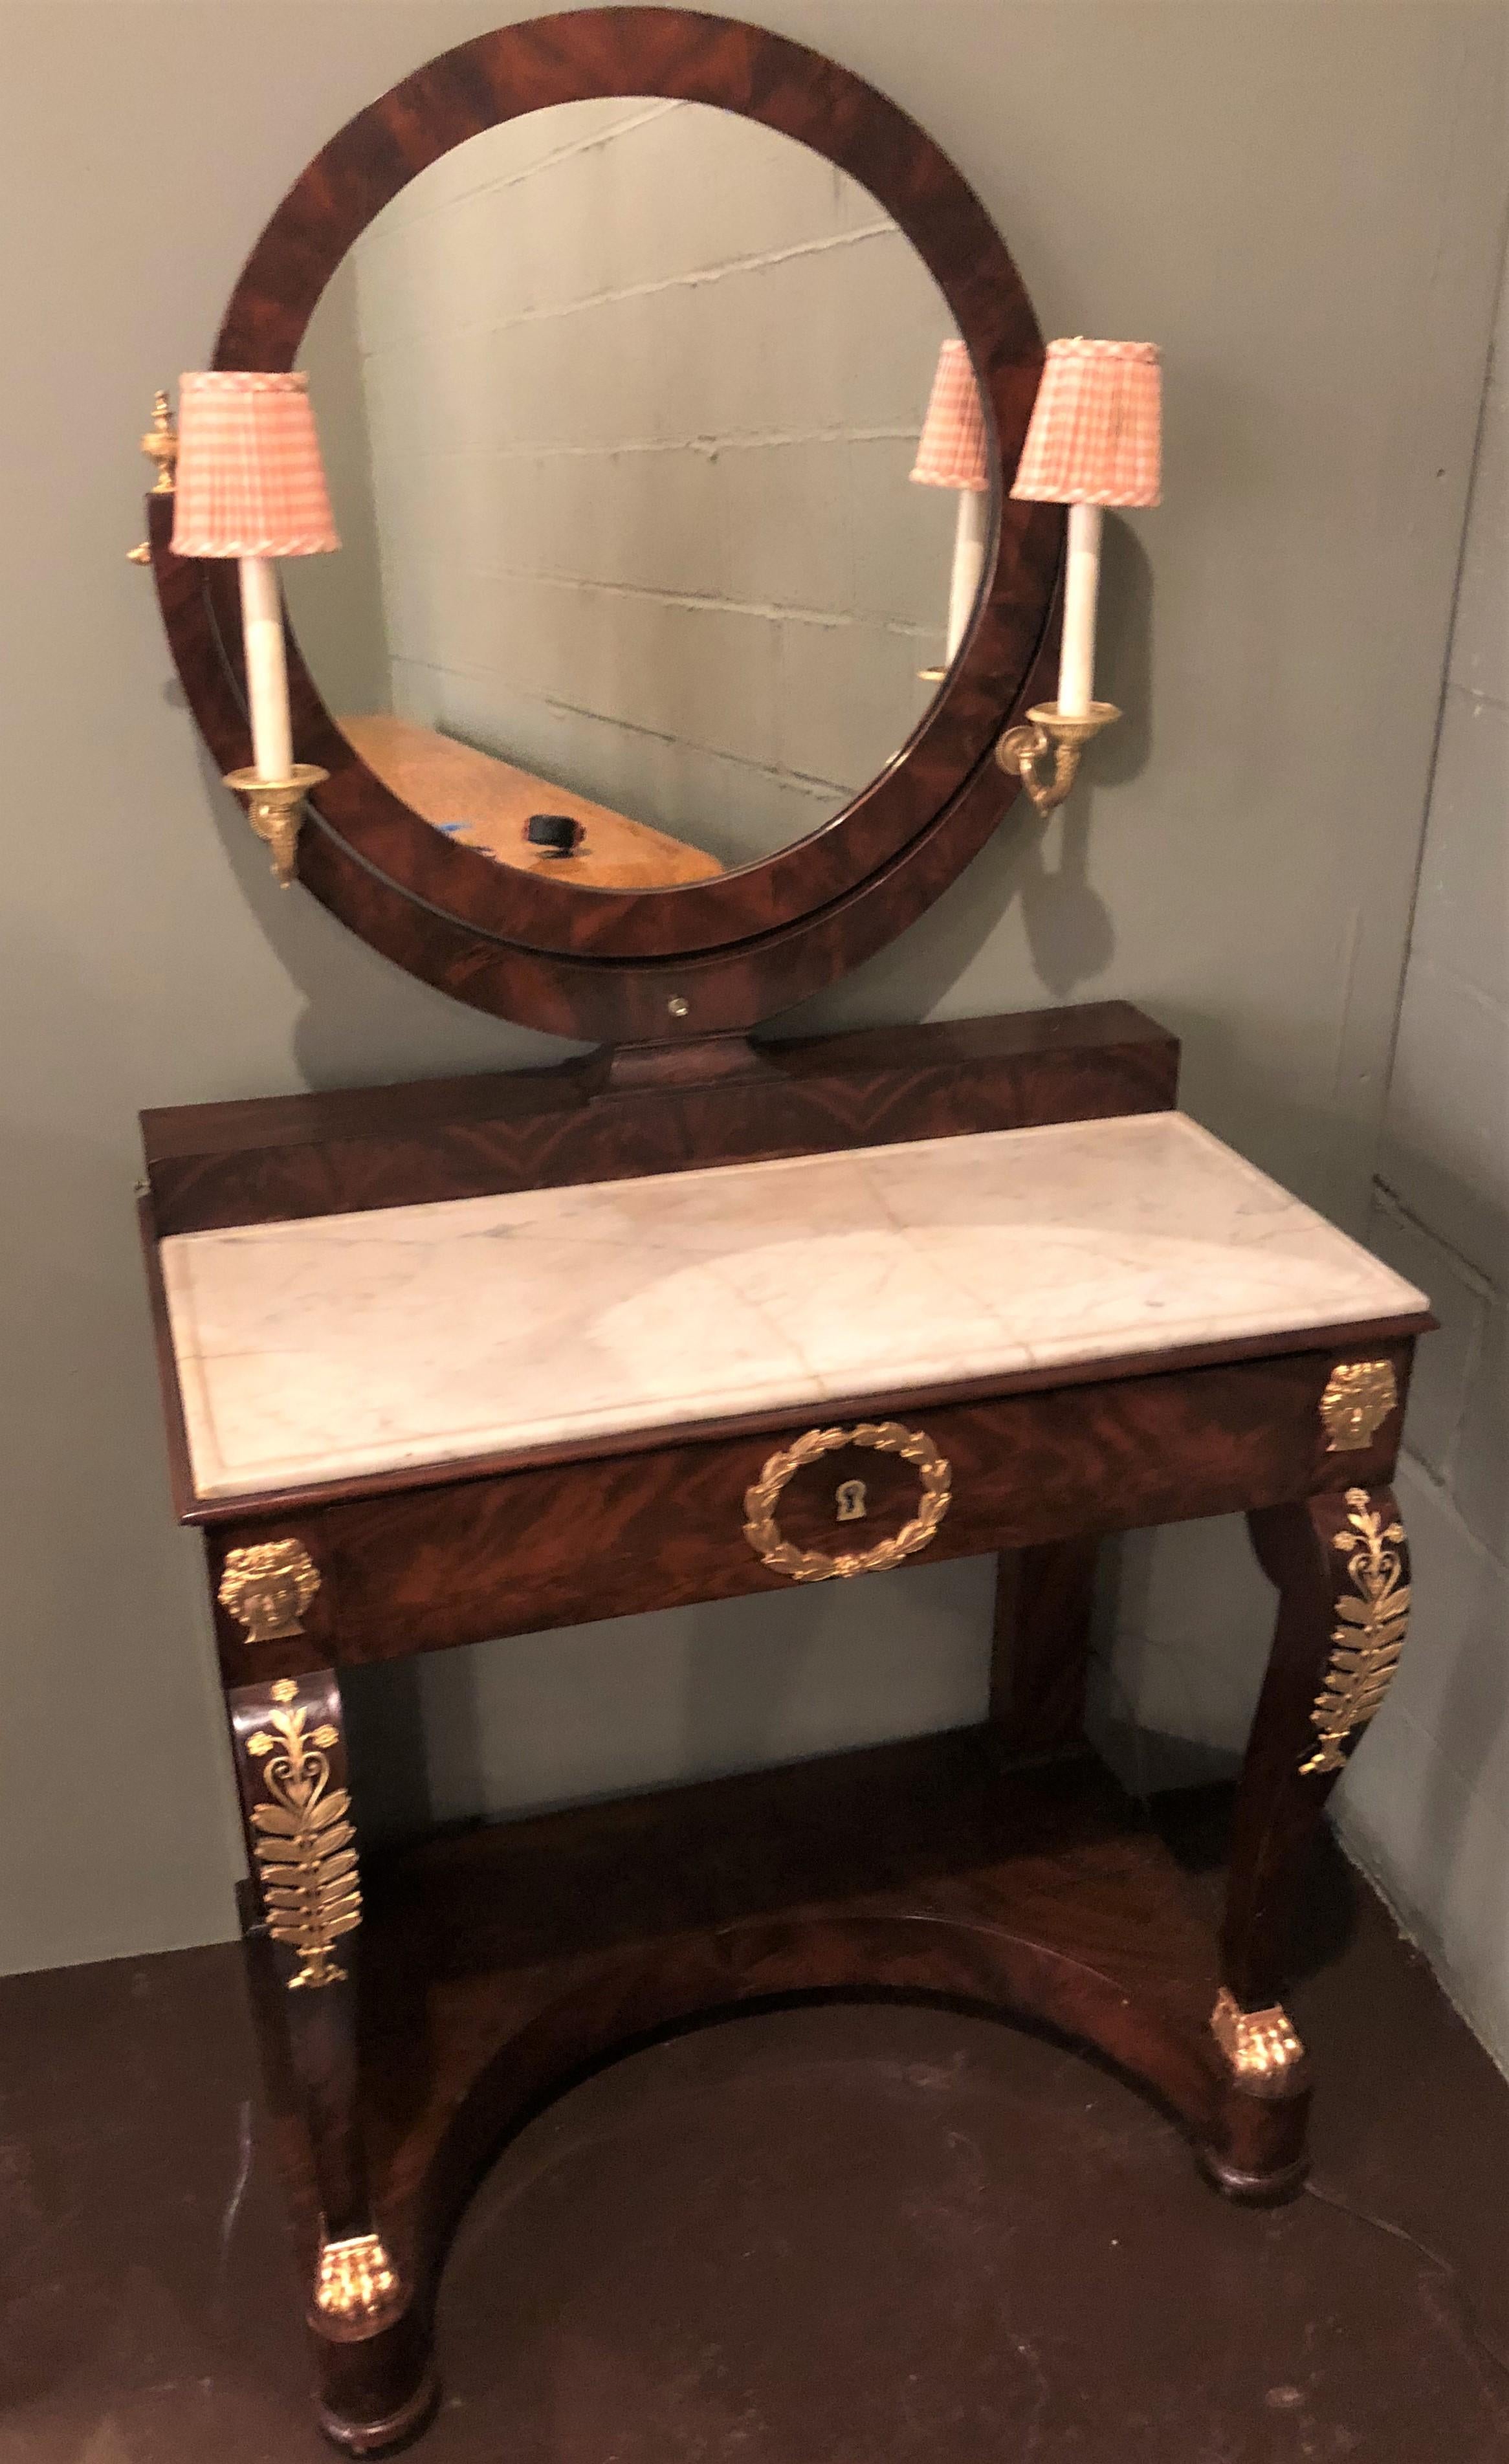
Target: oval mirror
<point x="621" y="404"/>
<point x="621" y="325"/>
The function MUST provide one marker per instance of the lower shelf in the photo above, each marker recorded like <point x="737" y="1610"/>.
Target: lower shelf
<point x="496" y="1961"/>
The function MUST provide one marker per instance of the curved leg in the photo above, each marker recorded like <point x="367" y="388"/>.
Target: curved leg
<point x="1342" y="1569"/>
<point x="375" y="2383"/>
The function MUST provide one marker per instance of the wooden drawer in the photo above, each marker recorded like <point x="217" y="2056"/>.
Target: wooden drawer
<point x="516" y="1552"/>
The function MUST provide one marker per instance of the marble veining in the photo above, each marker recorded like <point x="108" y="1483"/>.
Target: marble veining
<point x="427" y="1334"/>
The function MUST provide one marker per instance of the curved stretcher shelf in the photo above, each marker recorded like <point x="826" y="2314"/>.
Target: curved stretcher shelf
<point x="500" y="1964"/>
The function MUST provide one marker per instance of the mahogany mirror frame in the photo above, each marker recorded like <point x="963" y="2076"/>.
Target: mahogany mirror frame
<point x="709" y="957"/>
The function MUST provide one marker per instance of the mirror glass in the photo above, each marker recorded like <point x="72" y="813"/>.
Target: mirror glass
<point x="620" y="404"/>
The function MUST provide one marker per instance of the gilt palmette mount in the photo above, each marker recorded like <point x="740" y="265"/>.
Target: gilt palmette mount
<point x="1369" y="1634"/>
<point x="304" y="1843"/>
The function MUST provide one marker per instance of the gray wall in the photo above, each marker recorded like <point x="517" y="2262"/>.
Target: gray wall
<point x="643" y="383"/>
<point x="1427" y="1807"/>
<point x="1302" y="203"/>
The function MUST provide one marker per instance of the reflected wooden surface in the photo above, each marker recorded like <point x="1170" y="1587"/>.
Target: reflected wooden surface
<point x="485" y="803"/>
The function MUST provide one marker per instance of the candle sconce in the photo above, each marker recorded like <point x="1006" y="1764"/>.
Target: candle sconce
<point x="261" y="431"/>
<point x="954" y="453"/>
<point x="250" y="486"/>
<point x="275" y="811"/>
<point x="1048" y="734"/>
<point x="160" y="444"/>
<point x="1095" y="439"/>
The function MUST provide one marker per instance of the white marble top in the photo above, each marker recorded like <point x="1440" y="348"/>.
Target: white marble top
<point x="310" y="1352"/>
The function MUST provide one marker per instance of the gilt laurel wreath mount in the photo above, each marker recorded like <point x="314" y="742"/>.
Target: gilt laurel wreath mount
<point x="762" y="1531"/>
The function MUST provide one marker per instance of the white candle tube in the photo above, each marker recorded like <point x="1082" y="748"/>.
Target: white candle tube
<point x="969" y="560"/>
<point x="267" y="670"/>
<point x="1081" y="587"/>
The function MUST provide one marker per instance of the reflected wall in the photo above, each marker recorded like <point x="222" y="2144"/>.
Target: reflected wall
<point x="638" y="386"/>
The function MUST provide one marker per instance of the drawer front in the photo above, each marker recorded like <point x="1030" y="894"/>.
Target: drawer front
<point x="561" y="1544"/>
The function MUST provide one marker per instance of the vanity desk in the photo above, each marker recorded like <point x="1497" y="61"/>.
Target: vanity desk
<point x="705" y="1314"/>
<point x="925" y="1292"/>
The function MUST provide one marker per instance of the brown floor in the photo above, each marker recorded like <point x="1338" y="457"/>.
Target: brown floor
<point x="837" y="2235"/>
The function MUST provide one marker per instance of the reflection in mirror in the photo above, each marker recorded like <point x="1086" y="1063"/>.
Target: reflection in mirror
<point x="620" y="404"/>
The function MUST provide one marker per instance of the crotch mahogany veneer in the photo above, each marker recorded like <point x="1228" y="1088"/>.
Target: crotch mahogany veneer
<point x="443" y="1363"/>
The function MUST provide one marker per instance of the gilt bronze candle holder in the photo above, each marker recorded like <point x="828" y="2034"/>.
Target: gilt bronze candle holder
<point x="160" y="444"/>
<point x="275" y="809"/>
<point x="1024" y="751"/>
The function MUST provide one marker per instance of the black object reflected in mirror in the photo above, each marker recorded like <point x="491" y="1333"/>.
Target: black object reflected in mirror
<point x="557" y="832"/>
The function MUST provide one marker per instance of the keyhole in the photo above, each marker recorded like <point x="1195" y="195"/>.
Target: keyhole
<point x="852" y="1508"/>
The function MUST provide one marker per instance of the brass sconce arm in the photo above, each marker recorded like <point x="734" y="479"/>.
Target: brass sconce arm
<point x="160" y="444"/>
<point x="1024" y="751"/>
<point x="275" y="809"/>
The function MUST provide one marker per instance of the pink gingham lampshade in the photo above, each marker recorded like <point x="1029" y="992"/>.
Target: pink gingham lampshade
<point x="1095" y="431"/>
<point x="249" y="478"/>
<point x="952" y="451"/>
